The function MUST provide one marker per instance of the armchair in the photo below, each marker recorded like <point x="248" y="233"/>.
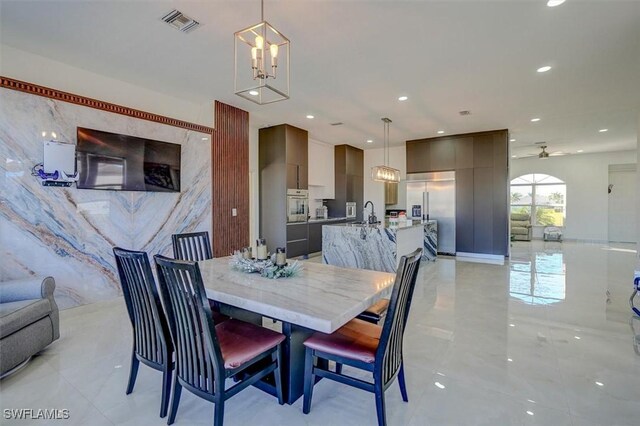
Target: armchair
<point x="520" y="227"/>
<point x="29" y="320"/>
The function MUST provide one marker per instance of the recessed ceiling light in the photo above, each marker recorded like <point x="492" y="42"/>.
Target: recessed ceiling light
<point x="253" y="92"/>
<point x="512" y="140"/>
<point x="576" y="337"/>
<point x="514" y="156"/>
<point x="439" y="385"/>
<point x="581" y="150"/>
<point x="310" y="116"/>
<point x="530" y="412"/>
<point x="440" y="132"/>
<point x="369" y="140"/>
<point x="603" y="130"/>
<point x="599" y="383"/>
<point x="554" y="3"/>
<point x="535" y="119"/>
<point x="509" y="359"/>
<point x="403" y="98"/>
<point x="544" y="69"/>
<point x="205" y="139"/>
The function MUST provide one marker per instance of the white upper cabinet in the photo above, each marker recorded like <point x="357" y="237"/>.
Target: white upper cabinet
<point x="322" y="167"/>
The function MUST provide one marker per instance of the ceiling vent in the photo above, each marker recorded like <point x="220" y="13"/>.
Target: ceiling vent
<point x="180" y="21"/>
<point x="464" y="112"/>
<point x="339" y="123"/>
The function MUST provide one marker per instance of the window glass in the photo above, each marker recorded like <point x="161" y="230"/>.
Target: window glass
<point x="521" y="194"/>
<point x="541" y="196"/>
<point x="550" y="195"/>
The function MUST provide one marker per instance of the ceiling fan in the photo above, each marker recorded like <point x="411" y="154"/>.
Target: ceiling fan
<point x="543" y="153"/>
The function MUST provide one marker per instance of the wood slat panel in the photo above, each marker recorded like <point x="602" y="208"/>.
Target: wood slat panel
<point x="230" y="186"/>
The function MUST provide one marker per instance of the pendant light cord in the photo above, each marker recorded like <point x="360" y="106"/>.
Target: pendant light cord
<point x="261" y="10"/>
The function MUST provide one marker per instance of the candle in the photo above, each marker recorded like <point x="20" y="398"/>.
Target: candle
<point x="246" y="253"/>
<point x="281" y="256"/>
<point x="261" y="249"/>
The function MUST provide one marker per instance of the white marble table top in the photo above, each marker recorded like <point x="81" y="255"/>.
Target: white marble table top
<point x="321" y="298"/>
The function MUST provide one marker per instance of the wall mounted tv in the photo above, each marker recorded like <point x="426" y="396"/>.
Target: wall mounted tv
<point x="126" y="163"/>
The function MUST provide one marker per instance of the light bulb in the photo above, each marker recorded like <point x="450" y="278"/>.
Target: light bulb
<point x="254" y="53"/>
<point x="44" y="134"/>
<point x="54" y="135"/>
<point x="259" y="42"/>
<point x="274" y="50"/>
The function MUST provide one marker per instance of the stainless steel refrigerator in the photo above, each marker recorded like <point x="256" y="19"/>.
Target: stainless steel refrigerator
<point x="435" y="193"/>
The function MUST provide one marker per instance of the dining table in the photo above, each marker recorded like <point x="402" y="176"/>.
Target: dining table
<point x="319" y="298"/>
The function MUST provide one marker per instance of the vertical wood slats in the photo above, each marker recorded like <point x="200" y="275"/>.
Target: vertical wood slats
<point x="230" y="175"/>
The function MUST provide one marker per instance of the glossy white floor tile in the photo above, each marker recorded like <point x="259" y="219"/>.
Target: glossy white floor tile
<point x="543" y="339"/>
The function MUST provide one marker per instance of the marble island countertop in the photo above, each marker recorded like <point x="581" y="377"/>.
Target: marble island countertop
<point x="377" y="247"/>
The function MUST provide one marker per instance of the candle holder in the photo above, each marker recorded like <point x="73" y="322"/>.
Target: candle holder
<point x="261" y="249"/>
<point x="281" y="256"/>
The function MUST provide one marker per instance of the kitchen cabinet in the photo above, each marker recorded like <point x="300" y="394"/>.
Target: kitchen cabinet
<point x="390" y="193"/>
<point x="315" y="237"/>
<point x="480" y="161"/>
<point x="283" y="159"/>
<point x="297" y="239"/>
<point x="349" y="180"/>
<point x="322" y="168"/>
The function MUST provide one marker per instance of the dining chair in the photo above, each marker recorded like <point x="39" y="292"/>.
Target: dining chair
<point x="151" y="339"/>
<point x="194" y="246"/>
<point x="208" y="354"/>
<point x="360" y="344"/>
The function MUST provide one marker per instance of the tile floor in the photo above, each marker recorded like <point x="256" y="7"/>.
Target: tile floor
<point x="544" y="339"/>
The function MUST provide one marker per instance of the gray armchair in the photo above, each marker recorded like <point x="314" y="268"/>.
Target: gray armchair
<point x="29" y="320"/>
<point x="520" y="227"/>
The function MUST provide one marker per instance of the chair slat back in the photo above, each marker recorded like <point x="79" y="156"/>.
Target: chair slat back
<point x="198" y="356"/>
<point x="193" y="246"/>
<point x="150" y="328"/>
<point x="389" y="352"/>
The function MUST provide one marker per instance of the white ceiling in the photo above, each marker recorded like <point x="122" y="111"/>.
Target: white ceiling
<point x="352" y="59"/>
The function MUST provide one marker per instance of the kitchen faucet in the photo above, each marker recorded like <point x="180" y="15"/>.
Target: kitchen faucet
<point x="372" y="217"/>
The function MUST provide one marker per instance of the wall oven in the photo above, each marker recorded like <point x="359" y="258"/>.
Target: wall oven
<point x="297" y="205"/>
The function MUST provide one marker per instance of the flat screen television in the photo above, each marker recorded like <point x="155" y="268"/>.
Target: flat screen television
<point x="126" y="163"/>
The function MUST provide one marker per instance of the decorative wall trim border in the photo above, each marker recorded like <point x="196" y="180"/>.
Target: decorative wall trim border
<point x="59" y="95"/>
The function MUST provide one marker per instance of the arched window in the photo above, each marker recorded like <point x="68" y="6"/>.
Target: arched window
<point x="543" y="197"/>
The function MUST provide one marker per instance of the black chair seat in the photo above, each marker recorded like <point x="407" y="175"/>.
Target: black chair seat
<point x="375" y="312"/>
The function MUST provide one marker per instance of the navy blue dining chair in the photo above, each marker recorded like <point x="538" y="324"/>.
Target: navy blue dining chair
<point x="367" y="346"/>
<point x="151" y="339"/>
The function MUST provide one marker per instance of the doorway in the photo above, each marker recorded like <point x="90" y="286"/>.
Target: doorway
<point x="622" y="203"/>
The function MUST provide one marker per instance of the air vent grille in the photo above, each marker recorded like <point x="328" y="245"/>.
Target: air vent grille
<point x="180" y="21"/>
<point x="465" y="112"/>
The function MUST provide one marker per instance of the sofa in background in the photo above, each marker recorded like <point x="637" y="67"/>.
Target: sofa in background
<point x="520" y="227"/>
<point x="29" y="320"/>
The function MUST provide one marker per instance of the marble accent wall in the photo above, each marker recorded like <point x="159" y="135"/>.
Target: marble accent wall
<point x="68" y="233"/>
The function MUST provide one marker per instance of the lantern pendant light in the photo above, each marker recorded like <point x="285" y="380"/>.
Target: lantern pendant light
<point x="261" y="67"/>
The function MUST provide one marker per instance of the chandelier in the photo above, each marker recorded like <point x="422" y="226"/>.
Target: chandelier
<point x="261" y="68"/>
<point x="385" y="173"/>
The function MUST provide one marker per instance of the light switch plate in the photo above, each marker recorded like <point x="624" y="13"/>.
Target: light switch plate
<point x="234" y="212"/>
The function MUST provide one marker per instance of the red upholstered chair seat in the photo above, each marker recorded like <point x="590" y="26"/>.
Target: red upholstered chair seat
<point x="240" y="341"/>
<point x="356" y="340"/>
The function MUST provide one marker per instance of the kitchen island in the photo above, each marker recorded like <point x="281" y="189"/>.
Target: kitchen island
<point x="376" y="247"/>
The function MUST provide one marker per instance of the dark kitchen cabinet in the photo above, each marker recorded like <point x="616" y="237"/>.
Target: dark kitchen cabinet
<point x="418" y="156"/>
<point x="297" y="240"/>
<point x="480" y="161"/>
<point x="283" y="164"/>
<point x="315" y="237"/>
<point x="349" y="180"/>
